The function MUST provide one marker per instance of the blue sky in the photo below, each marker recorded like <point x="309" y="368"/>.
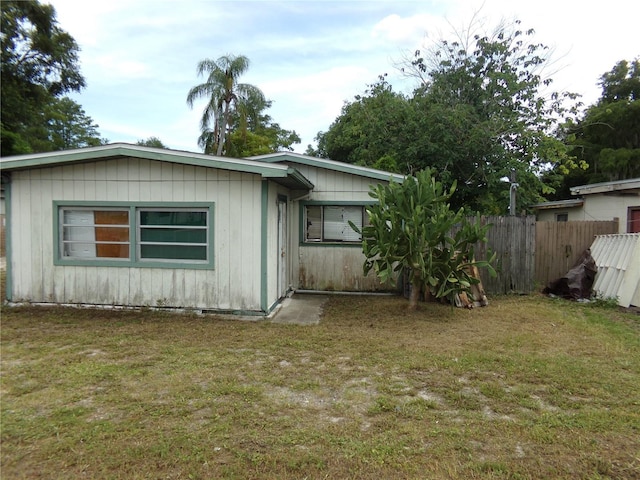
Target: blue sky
<point x="139" y="57"/>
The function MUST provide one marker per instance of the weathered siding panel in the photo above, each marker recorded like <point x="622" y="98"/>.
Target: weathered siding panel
<point x="335" y="268"/>
<point x="329" y="267"/>
<point x="331" y="185"/>
<point x="559" y="245"/>
<point x="234" y="283"/>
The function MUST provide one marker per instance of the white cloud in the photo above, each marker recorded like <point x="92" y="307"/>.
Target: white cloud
<point x="139" y="57"/>
<point x="406" y="31"/>
<point x="113" y="68"/>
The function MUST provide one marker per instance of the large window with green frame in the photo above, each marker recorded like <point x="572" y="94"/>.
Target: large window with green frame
<point x="140" y="234"/>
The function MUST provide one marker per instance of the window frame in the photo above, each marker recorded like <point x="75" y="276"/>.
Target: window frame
<point x="322" y="204"/>
<point x="630" y="225"/>
<point x="562" y="216"/>
<point x="133" y="209"/>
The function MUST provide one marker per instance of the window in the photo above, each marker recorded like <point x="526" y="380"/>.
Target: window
<point x="172" y="234"/>
<point x="562" y="217"/>
<point x="95" y="233"/>
<point x="330" y="223"/>
<point x="135" y="235"/>
<point x="633" y="220"/>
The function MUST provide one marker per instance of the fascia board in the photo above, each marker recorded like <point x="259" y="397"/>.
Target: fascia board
<point x="630" y="184"/>
<point x="50" y="159"/>
<point x="330" y="165"/>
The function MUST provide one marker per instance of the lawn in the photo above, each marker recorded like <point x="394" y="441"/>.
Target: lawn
<point x="528" y="387"/>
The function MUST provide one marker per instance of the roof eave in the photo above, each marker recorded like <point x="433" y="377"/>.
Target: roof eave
<point x="51" y="159"/>
<point x="606" y="187"/>
<point x="329" y="164"/>
<point x="559" y="204"/>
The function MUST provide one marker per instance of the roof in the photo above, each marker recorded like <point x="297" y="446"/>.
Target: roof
<point x="329" y="165"/>
<point x="282" y="174"/>
<point x="559" y="204"/>
<point x="618" y="275"/>
<point x="607" y="187"/>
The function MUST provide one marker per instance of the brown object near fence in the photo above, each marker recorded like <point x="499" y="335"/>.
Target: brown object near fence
<point x="531" y="254"/>
<point x="559" y="246"/>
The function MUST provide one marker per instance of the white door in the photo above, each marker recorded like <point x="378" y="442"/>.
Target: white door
<point x="283" y="284"/>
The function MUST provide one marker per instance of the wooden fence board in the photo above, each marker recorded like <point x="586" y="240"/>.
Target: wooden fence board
<point x="531" y="254"/>
<point x="512" y="238"/>
<point x="558" y="245"/>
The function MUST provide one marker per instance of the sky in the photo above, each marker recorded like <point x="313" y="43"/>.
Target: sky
<point x="139" y="57"/>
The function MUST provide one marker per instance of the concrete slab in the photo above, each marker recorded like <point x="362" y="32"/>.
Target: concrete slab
<point x="301" y="309"/>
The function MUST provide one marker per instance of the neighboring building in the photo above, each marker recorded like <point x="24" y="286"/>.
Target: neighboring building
<point x="599" y="201"/>
<point x="138" y="226"/>
<point x="3" y="221"/>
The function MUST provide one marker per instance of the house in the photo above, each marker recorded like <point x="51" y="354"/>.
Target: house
<point x="135" y="226"/>
<point x="598" y="201"/>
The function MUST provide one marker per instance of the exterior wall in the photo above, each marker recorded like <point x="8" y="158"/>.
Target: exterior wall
<point x="272" y="253"/>
<point x="596" y="207"/>
<point x="574" y="214"/>
<point x="607" y="207"/>
<point x="3" y="223"/>
<point x="234" y="283"/>
<point x="329" y="267"/>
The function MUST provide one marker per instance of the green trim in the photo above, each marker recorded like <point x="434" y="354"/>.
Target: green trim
<point x="133" y="232"/>
<point x="328" y="203"/>
<point x="264" y="223"/>
<point x="331" y="244"/>
<point x="7" y="238"/>
<point x="301" y="179"/>
<point x="104" y="204"/>
<point x="122" y="150"/>
<point x="329" y="165"/>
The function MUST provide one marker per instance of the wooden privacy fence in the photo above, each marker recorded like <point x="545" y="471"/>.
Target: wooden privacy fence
<point x="560" y="244"/>
<point x="531" y="254"/>
<point x="513" y="240"/>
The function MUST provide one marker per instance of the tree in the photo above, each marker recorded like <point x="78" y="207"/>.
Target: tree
<point x="151" y="142"/>
<point x="224" y="95"/>
<point x="479" y="112"/>
<point x="39" y="64"/>
<point x="70" y="127"/>
<point x="607" y="137"/>
<point x="375" y="126"/>
<point x="255" y="133"/>
<point x="410" y="228"/>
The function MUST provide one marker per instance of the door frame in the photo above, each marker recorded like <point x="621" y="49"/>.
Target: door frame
<point x="282" y="247"/>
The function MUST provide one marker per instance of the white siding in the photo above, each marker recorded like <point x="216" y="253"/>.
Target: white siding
<point x="234" y="283"/>
<point x="607" y="207"/>
<point x="334" y="269"/>
<point x="330" y="267"/>
<point x="332" y="185"/>
<point x="597" y="207"/>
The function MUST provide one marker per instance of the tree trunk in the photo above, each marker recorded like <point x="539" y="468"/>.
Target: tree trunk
<point x="223" y="129"/>
<point x="416" y="288"/>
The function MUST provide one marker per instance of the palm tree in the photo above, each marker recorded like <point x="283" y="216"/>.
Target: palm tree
<point x="224" y="95"/>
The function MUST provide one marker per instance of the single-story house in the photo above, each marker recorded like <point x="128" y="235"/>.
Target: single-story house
<point x="598" y="201"/>
<point x="135" y="226"/>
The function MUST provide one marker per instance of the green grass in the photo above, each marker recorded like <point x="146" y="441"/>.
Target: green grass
<point x="526" y="388"/>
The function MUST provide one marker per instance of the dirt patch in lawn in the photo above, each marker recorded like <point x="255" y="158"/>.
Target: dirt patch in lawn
<point x="526" y="388"/>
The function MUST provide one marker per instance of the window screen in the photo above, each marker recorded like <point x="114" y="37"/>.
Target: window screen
<point x="173" y="234"/>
